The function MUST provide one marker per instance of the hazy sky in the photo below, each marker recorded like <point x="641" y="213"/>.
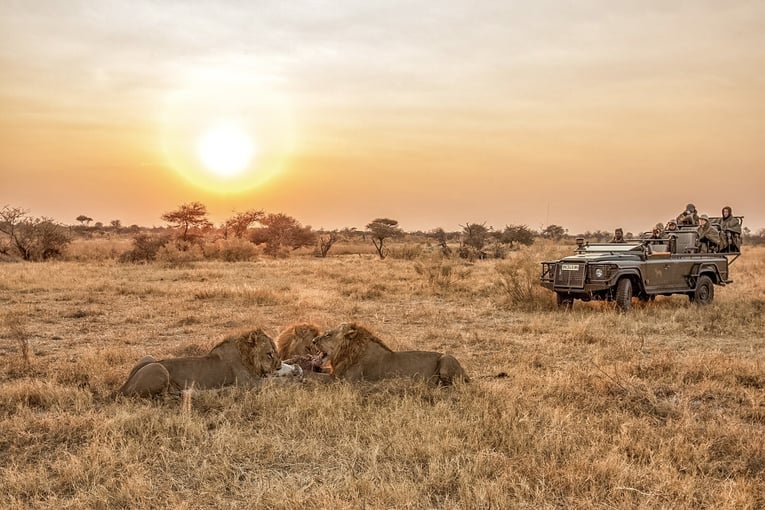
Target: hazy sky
<point x="586" y="114"/>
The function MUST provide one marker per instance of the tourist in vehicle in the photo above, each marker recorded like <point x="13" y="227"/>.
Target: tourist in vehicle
<point x="689" y="216"/>
<point x="709" y="237"/>
<point x="671" y="226"/>
<point x="657" y="232"/>
<point x="618" y="236"/>
<point x="730" y="229"/>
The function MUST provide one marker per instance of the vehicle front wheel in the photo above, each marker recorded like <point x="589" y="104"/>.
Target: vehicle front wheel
<point x="564" y="301"/>
<point x="624" y="294"/>
<point x="705" y="291"/>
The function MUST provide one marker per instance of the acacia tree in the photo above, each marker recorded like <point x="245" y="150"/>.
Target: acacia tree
<point x="281" y="232"/>
<point x="84" y="220"/>
<point x="381" y="229"/>
<point x="187" y="218"/>
<point x="520" y="234"/>
<point x="240" y="222"/>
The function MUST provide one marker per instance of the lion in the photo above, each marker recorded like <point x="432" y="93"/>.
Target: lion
<point x="357" y="354"/>
<point x="295" y="345"/>
<point x="296" y="340"/>
<point x="239" y="359"/>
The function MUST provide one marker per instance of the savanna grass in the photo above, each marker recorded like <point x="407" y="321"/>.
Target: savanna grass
<point x="663" y="407"/>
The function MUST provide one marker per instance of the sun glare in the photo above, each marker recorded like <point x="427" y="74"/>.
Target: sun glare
<point x="225" y="150"/>
<point x="227" y="129"/>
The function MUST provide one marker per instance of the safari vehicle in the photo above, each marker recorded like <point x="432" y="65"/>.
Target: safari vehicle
<point x="642" y="268"/>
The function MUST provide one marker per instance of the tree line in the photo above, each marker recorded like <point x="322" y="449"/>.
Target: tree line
<point x="189" y="228"/>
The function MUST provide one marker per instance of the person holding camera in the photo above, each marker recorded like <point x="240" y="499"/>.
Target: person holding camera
<point x="689" y="216"/>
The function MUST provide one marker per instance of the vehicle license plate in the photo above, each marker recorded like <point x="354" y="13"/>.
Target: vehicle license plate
<point x="570" y="267"/>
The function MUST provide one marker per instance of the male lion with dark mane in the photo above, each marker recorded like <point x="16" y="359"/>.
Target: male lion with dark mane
<point x="357" y="354"/>
<point x="239" y="359"/>
<point x="296" y="340"/>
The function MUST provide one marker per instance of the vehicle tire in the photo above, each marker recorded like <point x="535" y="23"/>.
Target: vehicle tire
<point x="564" y="301"/>
<point x="624" y="294"/>
<point x="705" y="291"/>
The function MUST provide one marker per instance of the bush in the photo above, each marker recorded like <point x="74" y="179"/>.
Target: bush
<point x="145" y="248"/>
<point x="519" y="282"/>
<point x="179" y="254"/>
<point x="31" y="238"/>
<point x="231" y="250"/>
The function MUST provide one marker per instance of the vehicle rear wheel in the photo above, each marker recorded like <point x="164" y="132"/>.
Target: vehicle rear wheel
<point x="705" y="291"/>
<point x="565" y="301"/>
<point x="624" y="294"/>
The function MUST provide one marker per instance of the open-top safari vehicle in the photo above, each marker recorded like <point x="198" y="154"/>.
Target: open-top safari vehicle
<point x="642" y="268"/>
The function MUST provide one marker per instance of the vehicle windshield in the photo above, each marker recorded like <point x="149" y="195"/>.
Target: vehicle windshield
<point x="610" y="247"/>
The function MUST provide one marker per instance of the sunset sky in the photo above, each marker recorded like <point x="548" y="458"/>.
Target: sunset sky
<point x="590" y="115"/>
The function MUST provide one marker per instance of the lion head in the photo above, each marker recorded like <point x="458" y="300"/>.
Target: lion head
<point x="297" y="340"/>
<point x="344" y="344"/>
<point x="256" y="349"/>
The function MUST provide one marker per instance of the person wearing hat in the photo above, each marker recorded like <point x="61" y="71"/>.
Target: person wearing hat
<point x="657" y="232"/>
<point x="731" y="231"/>
<point x="618" y="236"/>
<point x="689" y="216"/>
<point x="671" y="226"/>
<point x="709" y="237"/>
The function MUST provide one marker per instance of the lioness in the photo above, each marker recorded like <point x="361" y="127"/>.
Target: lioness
<point x="357" y="354"/>
<point x="239" y="359"/>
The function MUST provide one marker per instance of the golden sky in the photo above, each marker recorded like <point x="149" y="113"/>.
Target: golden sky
<point x="589" y="115"/>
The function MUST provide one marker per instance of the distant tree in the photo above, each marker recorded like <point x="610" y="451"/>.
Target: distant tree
<point x="116" y="225"/>
<point x="188" y="218"/>
<point x="520" y="234"/>
<point x="553" y="232"/>
<point x="32" y="238"/>
<point x="84" y="220"/>
<point x="326" y="240"/>
<point x="240" y="222"/>
<point x="475" y="235"/>
<point x="281" y="232"/>
<point x="441" y="238"/>
<point x="381" y="229"/>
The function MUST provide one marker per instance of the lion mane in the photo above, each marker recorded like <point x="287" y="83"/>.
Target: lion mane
<point x="240" y="359"/>
<point x="358" y="354"/>
<point x="296" y="340"/>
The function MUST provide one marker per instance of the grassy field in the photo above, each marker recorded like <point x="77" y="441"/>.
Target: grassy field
<point x="663" y="407"/>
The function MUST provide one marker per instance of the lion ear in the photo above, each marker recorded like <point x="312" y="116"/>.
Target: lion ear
<point x="352" y="331"/>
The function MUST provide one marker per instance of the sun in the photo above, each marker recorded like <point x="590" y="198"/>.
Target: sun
<point x="225" y="150"/>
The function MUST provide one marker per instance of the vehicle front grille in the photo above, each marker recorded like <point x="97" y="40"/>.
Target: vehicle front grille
<point x="570" y="274"/>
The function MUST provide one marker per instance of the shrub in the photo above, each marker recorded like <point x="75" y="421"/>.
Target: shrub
<point x="31" y="238"/>
<point x="231" y="250"/>
<point x="179" y="254"/>
<point x="145" y="248"/>
<point x="519" y="282"/>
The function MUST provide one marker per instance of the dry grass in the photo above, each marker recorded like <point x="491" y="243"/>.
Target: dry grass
<point x="660" y="408"/>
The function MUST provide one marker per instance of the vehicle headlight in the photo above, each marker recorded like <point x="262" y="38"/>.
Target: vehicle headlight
<point x="599" y="272"/>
